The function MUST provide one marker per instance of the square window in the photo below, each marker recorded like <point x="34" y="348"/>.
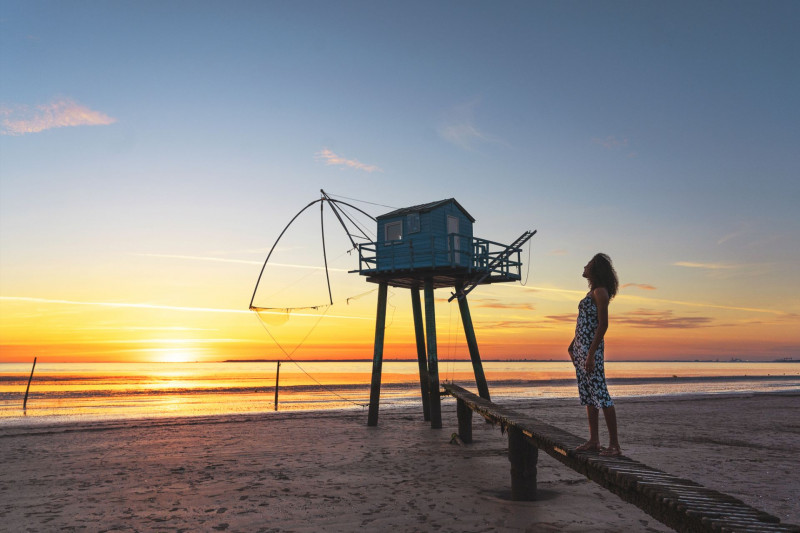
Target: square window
<point x="394" y="231"/>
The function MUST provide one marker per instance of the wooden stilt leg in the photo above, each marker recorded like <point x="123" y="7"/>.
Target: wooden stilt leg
<point x="472" y="343"/>
<point x="419" y="329"/>
<point x="433" y="363"/>
<point x="377" y="357"/>
<point x="523" y="455"/>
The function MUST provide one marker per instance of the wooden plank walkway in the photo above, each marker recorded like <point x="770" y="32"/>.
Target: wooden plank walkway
<point x="679" y="503"/>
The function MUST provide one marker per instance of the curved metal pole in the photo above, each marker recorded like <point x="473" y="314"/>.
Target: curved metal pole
<point x="325" y="253"/>
<point x="273" y="248"/>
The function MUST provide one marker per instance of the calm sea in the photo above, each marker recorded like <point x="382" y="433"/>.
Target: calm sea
<point x="64" y="392"/>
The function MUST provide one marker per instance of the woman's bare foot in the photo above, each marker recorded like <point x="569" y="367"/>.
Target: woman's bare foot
<point x="611" y="451"/>
<point x="588" y="446"/>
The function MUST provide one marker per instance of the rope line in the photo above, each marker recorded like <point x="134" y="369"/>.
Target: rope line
<point x="363" y="201"/>
<point x="303" y="370"/>
<point x="528" y="269"/>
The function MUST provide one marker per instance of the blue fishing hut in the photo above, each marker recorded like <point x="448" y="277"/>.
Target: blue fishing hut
<point x="431" y="246"/>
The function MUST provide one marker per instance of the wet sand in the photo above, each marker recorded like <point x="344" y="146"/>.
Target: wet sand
<point x="327" y="471"/>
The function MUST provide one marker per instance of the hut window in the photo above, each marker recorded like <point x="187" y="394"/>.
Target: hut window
<point x="394" y="231"/>
<point x="412" y="221"/>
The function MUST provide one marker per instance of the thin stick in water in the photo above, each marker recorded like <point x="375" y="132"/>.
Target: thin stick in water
<point x="277" y="379"/>
<point x="25" y="402"/>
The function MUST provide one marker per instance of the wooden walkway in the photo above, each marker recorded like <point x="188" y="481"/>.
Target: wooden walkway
<point x="681" y="504"/>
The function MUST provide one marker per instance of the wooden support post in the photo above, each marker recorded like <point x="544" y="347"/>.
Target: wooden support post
<point x="433" y="363"/>
<point x="464" y="421"/>
<point x="377" y="357"/>
<point x="472" y="343"/>
<point x="28" y="388"/>
<point x="422" y="358"/>
<point x="523" y="455"/>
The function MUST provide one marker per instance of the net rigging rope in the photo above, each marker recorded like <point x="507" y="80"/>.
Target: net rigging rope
<point x="336" y="207"/>
<point x="528" y="269"/>
<point x="303" y="370"/>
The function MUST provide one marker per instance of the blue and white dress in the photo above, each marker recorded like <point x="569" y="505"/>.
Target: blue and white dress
<point x="591" y="386"/>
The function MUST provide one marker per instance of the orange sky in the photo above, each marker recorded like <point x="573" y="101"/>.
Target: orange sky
<point x="511" y="322"/>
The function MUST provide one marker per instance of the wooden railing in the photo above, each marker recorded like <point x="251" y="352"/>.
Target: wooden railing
<point x="454" y="250"/>
<point x="681" y="504"/>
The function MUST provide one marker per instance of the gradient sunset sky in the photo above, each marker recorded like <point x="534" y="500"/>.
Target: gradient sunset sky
<point x="151" y="153"/>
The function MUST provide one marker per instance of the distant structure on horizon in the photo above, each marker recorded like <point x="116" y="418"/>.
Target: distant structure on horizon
<point x="431" y="246"/>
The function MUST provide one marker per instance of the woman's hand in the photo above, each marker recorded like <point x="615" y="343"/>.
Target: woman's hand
<point x="589" y="365"/>
<point x="571" y="350"/>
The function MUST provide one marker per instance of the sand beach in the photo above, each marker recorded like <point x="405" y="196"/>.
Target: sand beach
<point x="327" y="471"/>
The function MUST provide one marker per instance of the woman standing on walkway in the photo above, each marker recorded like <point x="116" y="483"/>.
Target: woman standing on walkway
<point x="586" y="352"/>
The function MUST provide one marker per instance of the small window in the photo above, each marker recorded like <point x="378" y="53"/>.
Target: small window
<point x="412" y="222"/>
<point x="394" y="231"/>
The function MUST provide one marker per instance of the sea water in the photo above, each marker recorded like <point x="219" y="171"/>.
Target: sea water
<point x="66" y="392"/>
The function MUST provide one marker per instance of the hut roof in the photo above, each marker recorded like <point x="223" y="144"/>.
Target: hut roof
<point x="424" y="208"/>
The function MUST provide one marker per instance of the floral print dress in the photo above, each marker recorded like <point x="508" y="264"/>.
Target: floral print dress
<point x="591" y="386"/>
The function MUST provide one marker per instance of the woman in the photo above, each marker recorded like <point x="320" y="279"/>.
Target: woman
<point x="586" y="352"/>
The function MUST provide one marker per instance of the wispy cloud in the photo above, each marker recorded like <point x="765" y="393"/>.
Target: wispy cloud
<point x="512" y="324"/>
<point x="238" y="261"/>
<point x="127" y="305"/>
<point x="645" y="318"/>
<point x="458" y="127"/>
<point x="491" y="303"/>
<point x="566" y="317"/>
<point x="23" y="119"/>
<point x="142" y="328"/>
<point x="558" y="252"/>
<point x="643" y="286"/>
<point x="331" y="158"/>
<point x="707" y="266"/>
<point x="611" y="142"/>
<point x="648" y="318"/>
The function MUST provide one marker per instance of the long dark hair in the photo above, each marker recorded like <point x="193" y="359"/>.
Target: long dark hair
<point x="602" y="274"/>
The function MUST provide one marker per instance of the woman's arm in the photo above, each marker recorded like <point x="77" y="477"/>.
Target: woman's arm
<point x="601" y="299"/>
<point x="570" y="351"/>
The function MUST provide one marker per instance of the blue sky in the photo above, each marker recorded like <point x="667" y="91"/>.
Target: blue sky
<point x="662" y="133"/>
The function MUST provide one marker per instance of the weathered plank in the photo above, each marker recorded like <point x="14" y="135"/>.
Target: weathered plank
<point x="680" y="503"/>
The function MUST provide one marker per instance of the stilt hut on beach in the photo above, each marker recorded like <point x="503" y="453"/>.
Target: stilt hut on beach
<point x="431" y="246"/>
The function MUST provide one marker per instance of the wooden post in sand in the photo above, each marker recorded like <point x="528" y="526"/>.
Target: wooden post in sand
<point x="25" y="401"/>
<point x="464" y="414"/>
<point x="433" y="362"/>
<point x="377" y="357"/>
<point x="277" y="380"/>
<point x="422" y="357"/>
<point x="523" y="455"/>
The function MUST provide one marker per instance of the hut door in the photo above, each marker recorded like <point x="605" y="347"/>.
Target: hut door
<point x="452" y="229"/>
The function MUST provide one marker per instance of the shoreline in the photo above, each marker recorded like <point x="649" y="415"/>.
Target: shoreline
<point x="325" y="469"/>
<point x="42" y="422"/>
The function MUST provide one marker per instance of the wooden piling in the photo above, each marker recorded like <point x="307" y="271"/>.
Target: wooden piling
<point x="377" y="357"/>
<point x="472" y="344"/>
<point x="422" y="357"/>
<point x="433" y="363"/>
<point x="464" y="414"/>
<point x="523" y="456"/>
<point x="28" y="388"/>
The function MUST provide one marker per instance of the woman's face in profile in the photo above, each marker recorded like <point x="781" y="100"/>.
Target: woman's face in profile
<point x="586" y="270"/>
